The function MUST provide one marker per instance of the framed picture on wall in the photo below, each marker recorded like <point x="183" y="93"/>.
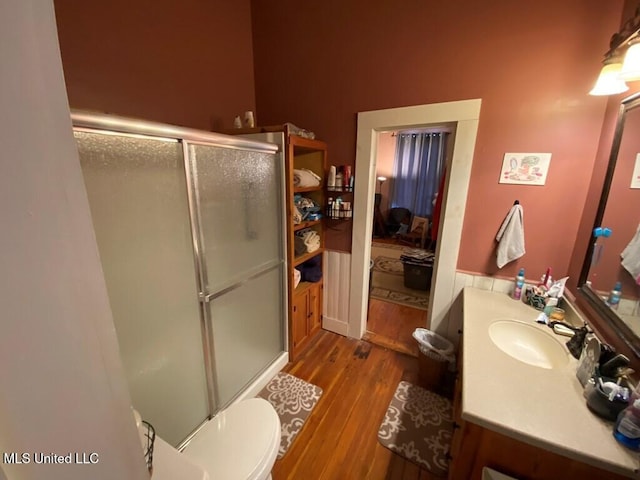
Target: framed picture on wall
<point x="525" y="168"/>
<point x="635" y="178"/>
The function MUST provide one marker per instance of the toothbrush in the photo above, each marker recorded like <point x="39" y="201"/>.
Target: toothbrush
<point x="547" y="276"/>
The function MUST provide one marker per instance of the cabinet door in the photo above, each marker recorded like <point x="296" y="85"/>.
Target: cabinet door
<point x="315" y="307"/>
<point x="299" y="325"/>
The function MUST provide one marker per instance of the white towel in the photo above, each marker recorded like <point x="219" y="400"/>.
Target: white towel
<point x="510" y="237"/>
<point x="305" y="178"/>
<point x="631" y="257"/>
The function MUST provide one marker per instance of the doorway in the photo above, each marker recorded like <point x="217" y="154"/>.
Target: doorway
<point x="398" y="300"/>
<point x="462" y="117"/>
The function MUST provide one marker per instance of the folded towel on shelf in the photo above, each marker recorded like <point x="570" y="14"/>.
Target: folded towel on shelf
<point x="510" y="237"/>
<point x="311" y="240"/>
<point x="631" y="257"/>
<point x="305" y="178"/>
<point x="306" y="240"/>
<point x="298" y="246"/>
<point x="311" y="270"/>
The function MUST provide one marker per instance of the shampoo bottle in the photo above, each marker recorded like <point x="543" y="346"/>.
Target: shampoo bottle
<point x="517" y="290"/>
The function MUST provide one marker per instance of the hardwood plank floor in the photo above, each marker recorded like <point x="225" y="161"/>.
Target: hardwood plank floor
<point x="339" y="439"/>
<point x="391" y="325"/>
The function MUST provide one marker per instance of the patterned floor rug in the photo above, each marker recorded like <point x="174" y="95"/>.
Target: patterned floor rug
<point x="418" y="426"/>
<point x="387" y="283"/>
<point x="293" y="400"/>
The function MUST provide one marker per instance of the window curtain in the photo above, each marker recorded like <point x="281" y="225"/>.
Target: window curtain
<point x="418" y="167"/>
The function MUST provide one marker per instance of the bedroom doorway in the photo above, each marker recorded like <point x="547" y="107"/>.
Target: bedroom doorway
<point x="404" y="202"/>
<point x="462" y="117"/>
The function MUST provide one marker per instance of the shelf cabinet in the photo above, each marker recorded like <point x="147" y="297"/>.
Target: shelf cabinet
<point x="307" y="313"/>
<point x="305" y="300"/>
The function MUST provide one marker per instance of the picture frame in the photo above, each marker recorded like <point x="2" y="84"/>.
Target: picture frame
<point x="525" y="168"/>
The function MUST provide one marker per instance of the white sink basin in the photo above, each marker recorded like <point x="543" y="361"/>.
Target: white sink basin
<point x="528" y="344"/>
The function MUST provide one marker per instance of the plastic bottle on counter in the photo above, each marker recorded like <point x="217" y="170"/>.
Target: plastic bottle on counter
<point x="627" y="429"/>
<point x="614" y="296"/>
<point x="517" y="289"/>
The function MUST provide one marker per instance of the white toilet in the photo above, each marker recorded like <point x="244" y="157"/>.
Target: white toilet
<point x="241" y="442"/>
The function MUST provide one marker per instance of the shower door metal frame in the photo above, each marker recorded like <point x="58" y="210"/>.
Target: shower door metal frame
<point x="101" y="123"/>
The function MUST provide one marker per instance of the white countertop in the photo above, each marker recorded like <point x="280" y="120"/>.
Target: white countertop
<point x="538" y="406"/>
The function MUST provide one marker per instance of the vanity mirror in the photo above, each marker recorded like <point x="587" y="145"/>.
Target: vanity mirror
<point x="614" y="252"/>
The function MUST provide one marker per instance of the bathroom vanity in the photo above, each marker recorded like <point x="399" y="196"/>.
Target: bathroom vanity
<point x="518" y="405"/>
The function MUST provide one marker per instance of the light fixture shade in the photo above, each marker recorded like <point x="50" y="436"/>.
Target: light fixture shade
<point x="631" y="65"/>
<point x="382" y="179"/>
<point x="609" y="81"/>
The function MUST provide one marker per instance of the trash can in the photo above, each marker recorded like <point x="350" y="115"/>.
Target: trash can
<point x="436" y="353"/>
<point x="416" y="276"/>
<point x="418" y="268"/>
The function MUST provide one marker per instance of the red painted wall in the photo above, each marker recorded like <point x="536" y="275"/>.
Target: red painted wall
<point x="187" y="63"/>
<point x="532" y="62"/>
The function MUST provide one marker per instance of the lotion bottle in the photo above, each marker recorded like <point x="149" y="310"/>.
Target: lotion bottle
<point x="517" y="290"/>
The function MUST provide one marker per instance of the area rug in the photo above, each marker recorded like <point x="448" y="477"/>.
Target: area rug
<point x="418" y="426"/>
<point x="293" y="399"/>
<point x="387" y="280"/>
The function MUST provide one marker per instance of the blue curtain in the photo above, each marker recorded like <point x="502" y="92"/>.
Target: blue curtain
<point x="418" y="167"/>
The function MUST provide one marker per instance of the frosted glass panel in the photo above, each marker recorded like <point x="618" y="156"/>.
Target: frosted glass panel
<point x="240" y="206"/>
<point x="247" y="331"/>
<point x="138" y="200"/>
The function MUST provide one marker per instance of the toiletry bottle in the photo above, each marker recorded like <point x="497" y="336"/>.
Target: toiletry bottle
<point x="614" y="296"/>
<point x="331" y="178"/>
<point x="627" y="429"/>
<point x="517" y="290"/>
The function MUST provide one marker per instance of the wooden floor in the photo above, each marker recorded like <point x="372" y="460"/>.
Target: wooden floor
<point x="391" y="325"/>
<point x="339" y="439"/>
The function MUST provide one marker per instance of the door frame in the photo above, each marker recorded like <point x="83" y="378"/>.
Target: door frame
<point x="463" y="116"/>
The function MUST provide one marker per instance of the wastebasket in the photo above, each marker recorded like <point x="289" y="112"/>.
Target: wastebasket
<point x="418" y="268"/>
<point x="436" y="353"/>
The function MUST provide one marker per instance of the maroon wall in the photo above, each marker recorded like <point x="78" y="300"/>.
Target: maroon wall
<point x="186" y="63"/>
<point x="532" y="62"/>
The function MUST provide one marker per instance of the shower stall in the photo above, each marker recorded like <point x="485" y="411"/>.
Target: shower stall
<point x="189" y="226"/>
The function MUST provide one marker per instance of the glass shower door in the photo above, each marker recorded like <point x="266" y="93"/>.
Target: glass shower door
<point x="138" y="198"/>
<point x="238" y="194"/>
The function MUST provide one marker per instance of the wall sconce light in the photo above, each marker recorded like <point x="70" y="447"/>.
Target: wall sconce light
<point x="381" y="180"/>
<point x="631" y="65"/>
<point x="609" y="81"/>
<point x="614" y="73"/>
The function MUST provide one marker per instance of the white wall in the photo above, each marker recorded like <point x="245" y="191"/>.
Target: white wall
<point x="61" y="384"/>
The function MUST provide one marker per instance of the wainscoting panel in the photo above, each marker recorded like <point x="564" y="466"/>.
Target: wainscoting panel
<point x="337" y="281"/>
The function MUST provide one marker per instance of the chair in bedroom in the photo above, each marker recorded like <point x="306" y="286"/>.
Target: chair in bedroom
<point x="397" y="218"/>
<point x="419" y="235"/>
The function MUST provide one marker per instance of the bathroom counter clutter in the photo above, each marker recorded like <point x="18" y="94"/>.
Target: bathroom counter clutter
<point x="542" y="406"/>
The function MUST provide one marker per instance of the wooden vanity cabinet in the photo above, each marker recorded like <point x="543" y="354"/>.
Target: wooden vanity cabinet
<point x="474" y="447"/>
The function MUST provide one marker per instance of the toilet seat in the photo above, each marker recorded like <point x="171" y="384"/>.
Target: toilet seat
<point x="241" y="442"/>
